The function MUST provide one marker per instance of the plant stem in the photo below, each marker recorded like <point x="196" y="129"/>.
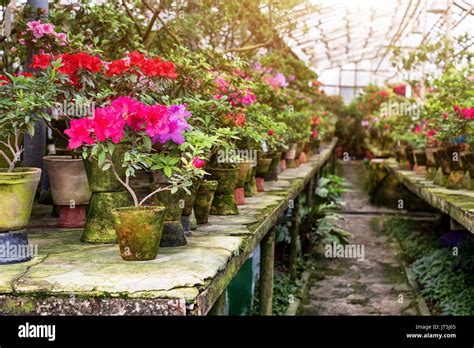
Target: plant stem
<point x="156" y="191"/>
<point x="126" y="184"/>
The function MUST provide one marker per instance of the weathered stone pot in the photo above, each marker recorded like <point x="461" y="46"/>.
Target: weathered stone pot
<point x="17" y="193"/>
<point x="224" y="201"/>
<point x="189" y="201"/>
<point x="468" y="162"/>
<point x="272" y="174"/>
<point x="263" y="165"/>
<point x="454" y="156"/>
<point x="69" y="188"/>
<point x="251" y="184"/>
<point x="420" y="157"/>
<point x="410" y="157"/>
<point x="107" y="194"/>
<point x="244" y="168"/>
<point x="204" y="198"/>
<point x="139" y="231"/>
<point x="173" y="232"/>
<point x="299" y="149"/>
<point x="430" y="157"/>
<point x="291" y="153"/>
<point x="443" y="159"/>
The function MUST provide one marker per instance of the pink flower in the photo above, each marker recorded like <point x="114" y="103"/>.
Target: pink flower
<point x="456" y="108"/>
<point x="79" y="132"/>
<point x="108" y="124"/>
<point x="314" y="134"/>
<point x="157" y="119"/>
<point x="133" y="112"/>
<point x="468" y="113"/>
<point x="198" y="163"/>
<point x="176" y="128"/>
<point x="431" y="133"/>
<point x="418" y="129"/>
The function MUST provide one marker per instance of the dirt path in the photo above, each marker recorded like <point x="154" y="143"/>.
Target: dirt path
<point x="375" y="285"/>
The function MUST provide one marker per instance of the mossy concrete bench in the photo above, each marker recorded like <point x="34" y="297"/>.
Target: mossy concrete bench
<point x="458" y="204"/>
<point x="72" y="278"/>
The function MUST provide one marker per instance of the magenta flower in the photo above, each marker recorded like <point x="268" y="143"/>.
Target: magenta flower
<point x="79" y="132"/>
<point x="108" y="124"/>
<point x="133" y="112"/>
<point x="179" y="111"/>
<point x="176" y="128"/>
<point x="198" y="163"/>
<point x="157" y="120"/>
<point x="468" y="113"/>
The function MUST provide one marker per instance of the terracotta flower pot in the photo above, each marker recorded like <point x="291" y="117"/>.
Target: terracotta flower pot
<point x="204" y="198"/>
<point x="244" y="168"/>
<point x="224" y="201"/>
<point x="291" y="153"/>
<point x="69" y="188"/>
<point x="299" y="149"/>
<point x="17" y="193"/>
<point x="173" y="232"/>
<point x="139" y="231"/>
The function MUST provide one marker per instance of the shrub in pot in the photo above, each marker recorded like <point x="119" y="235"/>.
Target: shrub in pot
<point x="136" y="126"/>
<point x="25" y="101"/>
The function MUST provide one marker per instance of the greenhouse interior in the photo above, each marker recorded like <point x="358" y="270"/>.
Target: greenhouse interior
<point x="237" y="158"/>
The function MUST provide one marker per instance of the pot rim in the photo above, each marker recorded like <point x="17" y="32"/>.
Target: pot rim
<point x="209" y="184"/>
<point x="223" y="169"/>
<point x="156" y="208"/>
<point x="20" y="171"/>
<point x="61" y="158"/>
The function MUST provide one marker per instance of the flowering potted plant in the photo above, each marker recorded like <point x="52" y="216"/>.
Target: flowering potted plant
<point x="25" y="101"/>
<point x="136" y="127"/>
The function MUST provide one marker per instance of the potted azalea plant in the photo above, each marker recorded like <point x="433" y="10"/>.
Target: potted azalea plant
<point x="136" y="127"/>
<point x="25" y="100"/>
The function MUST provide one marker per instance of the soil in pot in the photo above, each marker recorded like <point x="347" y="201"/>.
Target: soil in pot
<point x="204" y="198"/>
<point x="17" y="192"/>
<point x="139" y="231"/>
<point x="173" y="232"/>
<point x="224" y="201"/>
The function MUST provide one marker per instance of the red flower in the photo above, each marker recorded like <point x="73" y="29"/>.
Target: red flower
<point x="430" y="133"/>
<point x="198" y="163"/>
<point x="117" y="67"/>
<point x="384" y="93"/>
<point x="79" y="132"/>
<point x="41" y="61"/>
<point x="314" y="134"/>
<point x="418" y="129"/>
<point x="4" y="80"/>
<point x="240" y="119"/>
<point x="456" y="108"/>
<point x="445" y="115"/>
<point x="108" y="124"/>
<point x="136" y="59"/>
<point x="270" y="132"/>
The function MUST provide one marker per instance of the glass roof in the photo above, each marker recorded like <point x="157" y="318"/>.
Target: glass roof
<point x="348" y="35"/>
